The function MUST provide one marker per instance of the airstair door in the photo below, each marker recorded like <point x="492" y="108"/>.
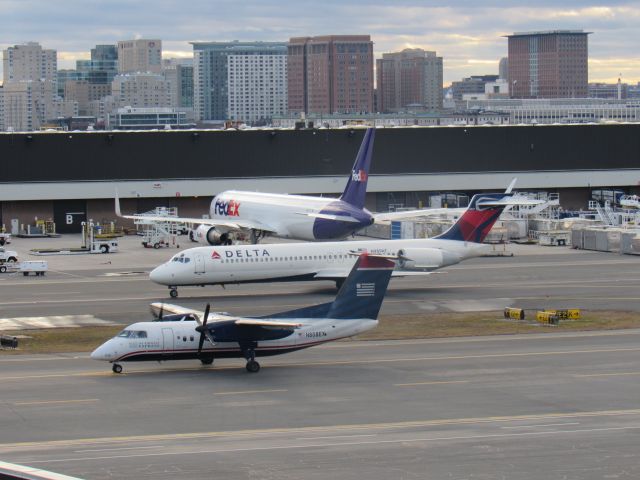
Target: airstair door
<point x="167" y="340"/>
<point x="199" y="264"/>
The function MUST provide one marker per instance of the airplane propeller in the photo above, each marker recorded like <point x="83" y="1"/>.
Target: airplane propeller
<point x="161" y="313"/>
<point x="203" y="328"/>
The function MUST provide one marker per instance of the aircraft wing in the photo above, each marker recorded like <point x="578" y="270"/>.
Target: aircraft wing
<point x="336" y="274"/>
<point x="264" y="323"/>
<point x="230" y="224"/>
<point x="509" y="201"/>
<point x="425" y="212"/>
<point x="168" y="308"/>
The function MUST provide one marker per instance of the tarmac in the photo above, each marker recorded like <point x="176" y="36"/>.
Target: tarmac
<point x="561" y="405"/>
<point x="517" y="407"/>
<point x="115" y="287"/>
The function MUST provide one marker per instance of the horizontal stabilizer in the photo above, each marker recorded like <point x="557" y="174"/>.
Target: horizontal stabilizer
<point x="337" y="218"/>
<point x="425" y="212"/>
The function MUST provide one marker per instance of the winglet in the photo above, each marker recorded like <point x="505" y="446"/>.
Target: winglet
<point x="511" y="185"/>
<point x="118" y="211"/>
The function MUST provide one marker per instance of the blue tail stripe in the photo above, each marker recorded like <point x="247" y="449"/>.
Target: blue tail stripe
<point x="356" y="189"/>
<point x="363" y="291"/>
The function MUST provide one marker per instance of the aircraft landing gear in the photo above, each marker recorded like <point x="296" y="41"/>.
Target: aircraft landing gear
<point x="173" y="292"/>
<point x="249" y="352"/>
<point x="117" y="368"/>
<point x="253" y="366"/>
<point x="206" y="360"/>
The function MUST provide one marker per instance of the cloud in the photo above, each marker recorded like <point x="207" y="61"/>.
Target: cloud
<point x="467" y="33"/>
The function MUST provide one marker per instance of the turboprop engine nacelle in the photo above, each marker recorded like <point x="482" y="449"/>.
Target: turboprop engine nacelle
<point x="425" y="259"/>
<point x="208" y="235"/>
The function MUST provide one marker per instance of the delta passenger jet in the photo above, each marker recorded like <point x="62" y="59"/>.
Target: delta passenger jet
<point x="333" y="260"/>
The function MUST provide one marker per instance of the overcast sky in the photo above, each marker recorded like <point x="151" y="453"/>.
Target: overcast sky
<point x="467" y="33"/>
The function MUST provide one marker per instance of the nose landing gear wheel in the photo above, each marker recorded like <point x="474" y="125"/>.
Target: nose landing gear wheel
<point x="206" y="361"/>
<point x="116" y="368"/>
<point x="173" y="292"/>
<point x="253" y="366"/>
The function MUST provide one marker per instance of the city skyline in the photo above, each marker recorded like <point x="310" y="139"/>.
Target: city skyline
<point x="469" y="37"/>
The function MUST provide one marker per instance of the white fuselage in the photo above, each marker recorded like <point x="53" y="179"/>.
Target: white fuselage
<point x="287" y="215"/>
<point x="298" y="261"/>
<point x="179" y="340"/>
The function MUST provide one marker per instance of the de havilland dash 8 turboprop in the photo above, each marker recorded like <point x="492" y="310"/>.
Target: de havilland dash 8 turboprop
<point x="298" y="217"/>
<point x="183" y="334"/>
<point x="333" y="260"/>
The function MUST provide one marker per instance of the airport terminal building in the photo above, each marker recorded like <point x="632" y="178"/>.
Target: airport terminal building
<point x="50" y="175"/>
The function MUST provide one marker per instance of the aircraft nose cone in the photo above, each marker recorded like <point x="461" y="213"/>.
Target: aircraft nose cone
<point x="100" y="353"/>
<point x="159" y="275"/>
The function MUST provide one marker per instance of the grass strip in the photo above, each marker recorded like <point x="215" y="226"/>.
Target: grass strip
<point x="391" y="327"/>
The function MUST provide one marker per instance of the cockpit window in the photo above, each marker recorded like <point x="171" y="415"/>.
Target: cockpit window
<point x="179" y="317"/>
<point x="132" y="334"/>
<point x="181" y="258"/>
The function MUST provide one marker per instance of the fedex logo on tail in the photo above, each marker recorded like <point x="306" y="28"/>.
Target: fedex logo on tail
<point x="359" y="176"/>
<point x="228" y="209"/>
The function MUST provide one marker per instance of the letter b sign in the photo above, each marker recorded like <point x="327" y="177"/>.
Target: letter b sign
<point x="69" y="219"/>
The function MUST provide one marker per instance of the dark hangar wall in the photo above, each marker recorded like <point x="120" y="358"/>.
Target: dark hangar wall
<point x="76" y="156"/>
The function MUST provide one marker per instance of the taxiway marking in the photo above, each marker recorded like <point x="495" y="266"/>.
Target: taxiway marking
<point x="251" y="391"/>
<point x="54" y="402"/>
<point x="173" y="437"/>
<point x="339" y="444"/>
<point x="415" y="384"/>
<point x="335" y="362"/>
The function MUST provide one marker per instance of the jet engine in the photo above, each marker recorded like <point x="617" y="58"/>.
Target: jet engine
<point x="208" y="235"/>
<point x="425" y="259"/>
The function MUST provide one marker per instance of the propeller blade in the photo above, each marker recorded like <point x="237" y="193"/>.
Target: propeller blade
<point x="161" y="311"/>
<point x="206" y="314"/>
<point x="203" y="328"/>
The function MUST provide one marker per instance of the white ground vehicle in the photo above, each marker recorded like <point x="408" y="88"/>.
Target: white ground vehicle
<point x="7" y="256"/>
<point x="104" y="246"/>
<point x="39" y="267"/>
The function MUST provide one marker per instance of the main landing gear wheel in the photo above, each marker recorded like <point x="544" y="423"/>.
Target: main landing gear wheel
<point x="253" y="366"/>
<point x="206" y="361"/>
<point x="173" y="292"/>
<point x="116" y="368"/>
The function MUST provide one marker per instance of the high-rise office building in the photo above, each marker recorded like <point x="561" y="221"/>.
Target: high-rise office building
<point x="2" y="109"/>
<point x="30" y="86"/>
<point x="141" y="55"/>
<point x="548" y="64"/>
<point x="29" y="62"/>
<point x="243" y="81"/>
<point x="179" y="73"/>
<point x="410" y="79"/>
<point x="141" y="90"/>
<point x="330" y="74"/>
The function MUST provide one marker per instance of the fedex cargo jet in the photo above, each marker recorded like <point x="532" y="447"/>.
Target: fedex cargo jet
<point x="333" y="260"/>
<point x="286" y="216"/>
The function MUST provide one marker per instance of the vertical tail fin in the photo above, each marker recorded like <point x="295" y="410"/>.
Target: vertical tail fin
<point x="363" y="291"/>
<point x="476" y="222"/>
<point x="356" y="188"/>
